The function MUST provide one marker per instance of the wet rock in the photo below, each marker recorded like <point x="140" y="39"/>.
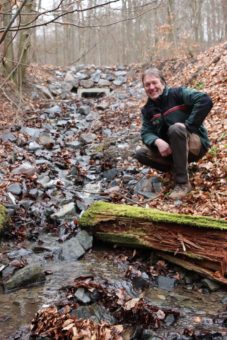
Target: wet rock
<point x="120" y="73"/>
<point x="95" y="312"/>
<point x="166" y="283"/>
<point x="224" y="300"/>
<point x="34" y="193"/>
<point x="104" y="105"/>
<point x="141" y="282"/>
<point x="149" y="334"/>
<point x="50" y="184"/>
<point x="46" y="140"/>
<point x="82" y="125"/>
<point x="29" y="275"/>
<point x="169" y="320"/>
<point x="66" y="211"/>
<point x="32" y="132"/>
<point x="110" y="174"/>
<point x="69" y="77"/>
<point x="8" y="137"/>
<point x="82" y="202"/>
<point x="123" y="147"/>
<point x="156" y="184"/>
<point x="7" y="272"/>
<point x="73" y="145"/>
<point x="43" y="180"/>
<point x="106" y="132"/>
<point x="86" y="83"/>
<point x="16" y="254"/>
<point x="62" y="123"/>
<point x="15" y="188"/>
<point x="26" y="204"/>
<point x="84" y="110"/>
<point x="41" y="161"/>
<point x="110" y="77"/>
<point x="81" y="76"/>
<point x="212" y="285"/>
<point x="112" y="190"/>
<point x="71" y="250"/>
<point x="82" y="296"/>
<point x="87" y="138"/>
<point x="104" y="83"/>
<point x="24" y="169"/>
<point x="34" y="146"/>
<point x="92" y="116"/>
<point x="96" y="76"/>
<point x="127" y="178"/>
<point x="84" y="239"/>
<point x="70" y="82"/>
<point x="53" y="111"/>
<point x="144" y="187"/>
<point x="59" y="74"/>
<point x="119" y="81"/>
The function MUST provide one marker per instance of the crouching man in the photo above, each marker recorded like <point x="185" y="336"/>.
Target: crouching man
<point x="172" y="129"/>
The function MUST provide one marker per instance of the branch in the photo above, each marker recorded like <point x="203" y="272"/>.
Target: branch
<point x="107" y="25"/>
<point x="7" y="29"/>
<point x="26" y="26"/>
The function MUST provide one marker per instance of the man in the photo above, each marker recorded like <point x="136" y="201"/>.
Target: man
<point x="172" y="129"/>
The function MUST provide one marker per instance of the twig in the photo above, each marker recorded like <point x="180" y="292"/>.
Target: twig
<point x="6" y="30"/>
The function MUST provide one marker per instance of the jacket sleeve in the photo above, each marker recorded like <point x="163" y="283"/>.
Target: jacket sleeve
<point x="201" y="105"/>
<point x="148" y="133"/>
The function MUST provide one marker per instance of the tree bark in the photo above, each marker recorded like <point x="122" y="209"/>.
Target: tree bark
<point x="7" y="48"/>
<point x="196" y="242"/>
<point x="24" y="44"/>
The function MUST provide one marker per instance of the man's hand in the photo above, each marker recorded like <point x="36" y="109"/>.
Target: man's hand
<point x="163" y="147"/>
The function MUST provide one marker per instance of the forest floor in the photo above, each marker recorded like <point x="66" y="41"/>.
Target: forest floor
<point x="23" y="110"/>
<point x="206" y="72"/>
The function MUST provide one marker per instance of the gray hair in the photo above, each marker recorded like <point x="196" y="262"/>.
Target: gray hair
<point x="153" y="71"/>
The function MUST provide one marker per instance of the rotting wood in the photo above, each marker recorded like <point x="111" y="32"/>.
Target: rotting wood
<point x="3" y="217"/>
<point x="197" y="243"/>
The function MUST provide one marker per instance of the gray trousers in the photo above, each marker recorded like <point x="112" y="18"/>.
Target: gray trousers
<point x="185" y="147"/>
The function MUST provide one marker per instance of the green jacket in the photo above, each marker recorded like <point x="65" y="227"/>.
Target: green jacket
<point x="180" y="104"/>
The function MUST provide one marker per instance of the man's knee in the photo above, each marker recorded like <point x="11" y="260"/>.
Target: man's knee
<point x="141" y="154"/>
<point x="177" y="129"/>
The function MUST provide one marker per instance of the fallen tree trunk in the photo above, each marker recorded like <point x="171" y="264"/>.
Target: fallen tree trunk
<point x="3" y="217"/>
<point x="196" y="243"/>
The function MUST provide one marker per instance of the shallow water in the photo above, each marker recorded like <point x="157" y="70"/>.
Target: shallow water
<point x="19" y="307"/>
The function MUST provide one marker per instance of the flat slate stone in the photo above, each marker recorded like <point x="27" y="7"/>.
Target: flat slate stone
<point x="29" y="275"/>
<point x="71" y="250"/>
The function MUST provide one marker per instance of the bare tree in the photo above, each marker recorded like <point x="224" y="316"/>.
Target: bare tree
<point x="109" y="31"/>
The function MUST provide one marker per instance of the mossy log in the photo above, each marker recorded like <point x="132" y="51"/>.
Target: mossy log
<point x="197" y="243"/>
<point x="3" y="217"/>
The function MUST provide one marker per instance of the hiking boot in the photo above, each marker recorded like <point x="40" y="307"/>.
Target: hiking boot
<point x="180" y="190"/>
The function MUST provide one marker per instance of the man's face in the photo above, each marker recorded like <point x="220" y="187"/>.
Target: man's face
<point x="153" y="86"/>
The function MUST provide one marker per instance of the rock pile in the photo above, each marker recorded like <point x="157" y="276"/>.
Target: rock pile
<point x="69" y="83"/>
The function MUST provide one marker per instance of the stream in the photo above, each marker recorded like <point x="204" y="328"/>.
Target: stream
<point x="199" y="308"/>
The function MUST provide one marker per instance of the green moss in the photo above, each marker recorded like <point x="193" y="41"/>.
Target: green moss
<point x="3" y="217"/>
<point x="126" y="240"/>
<point x="103" y="211"/>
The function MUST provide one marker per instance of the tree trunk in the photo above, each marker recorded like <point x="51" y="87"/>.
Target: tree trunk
<point x="24" y="43"/>
<point x="196" y="242"/>
<point x="7" y="48"/>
